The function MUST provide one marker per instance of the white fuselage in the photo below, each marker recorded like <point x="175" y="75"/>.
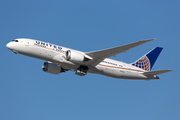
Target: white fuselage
<point x="55" y="54"/>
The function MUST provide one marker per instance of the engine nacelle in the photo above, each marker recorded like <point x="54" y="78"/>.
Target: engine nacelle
<point x="51" y="68"/>
<point x="74" y="56"/>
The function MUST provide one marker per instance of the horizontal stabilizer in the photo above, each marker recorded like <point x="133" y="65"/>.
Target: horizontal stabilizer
<point x="157" y="72"/>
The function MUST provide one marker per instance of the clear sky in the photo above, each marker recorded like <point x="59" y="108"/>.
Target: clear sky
<point x="28" y="93"/>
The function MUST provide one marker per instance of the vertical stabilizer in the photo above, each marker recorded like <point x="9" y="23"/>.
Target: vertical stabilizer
<point x="147" y="61"/>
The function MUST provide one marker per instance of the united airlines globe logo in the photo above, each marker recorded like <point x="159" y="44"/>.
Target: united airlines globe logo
<point x="143" y="63"/>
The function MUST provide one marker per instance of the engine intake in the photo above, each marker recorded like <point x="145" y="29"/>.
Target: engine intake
<point x="74" y="56"/>
<point x="52" y="68"/>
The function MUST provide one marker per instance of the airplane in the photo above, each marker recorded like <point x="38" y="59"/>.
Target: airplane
<point x="60" y="59"/>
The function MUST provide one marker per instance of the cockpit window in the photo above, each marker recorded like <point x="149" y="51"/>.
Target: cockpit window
<point x="14" y="40"/>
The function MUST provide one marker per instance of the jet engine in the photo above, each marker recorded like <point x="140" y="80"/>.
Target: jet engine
<point x="52" y="68"/>
<point x="74" y="56"/>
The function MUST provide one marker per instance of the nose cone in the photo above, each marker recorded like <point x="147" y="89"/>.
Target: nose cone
<point x="8" y="46"/>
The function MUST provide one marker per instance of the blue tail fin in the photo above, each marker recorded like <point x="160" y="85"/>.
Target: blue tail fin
<point x="147" y="61"/>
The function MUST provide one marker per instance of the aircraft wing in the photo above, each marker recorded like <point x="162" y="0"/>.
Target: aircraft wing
<point x="100" y="55"/>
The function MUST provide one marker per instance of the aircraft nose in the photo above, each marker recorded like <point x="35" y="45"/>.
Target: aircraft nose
<point x="9" y="46"/>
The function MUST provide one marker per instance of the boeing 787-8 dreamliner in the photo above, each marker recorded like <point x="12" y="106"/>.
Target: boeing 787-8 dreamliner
<point x="60" y="59"/>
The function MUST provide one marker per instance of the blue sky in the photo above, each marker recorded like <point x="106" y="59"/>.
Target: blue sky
<point x="26" y="92"/>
